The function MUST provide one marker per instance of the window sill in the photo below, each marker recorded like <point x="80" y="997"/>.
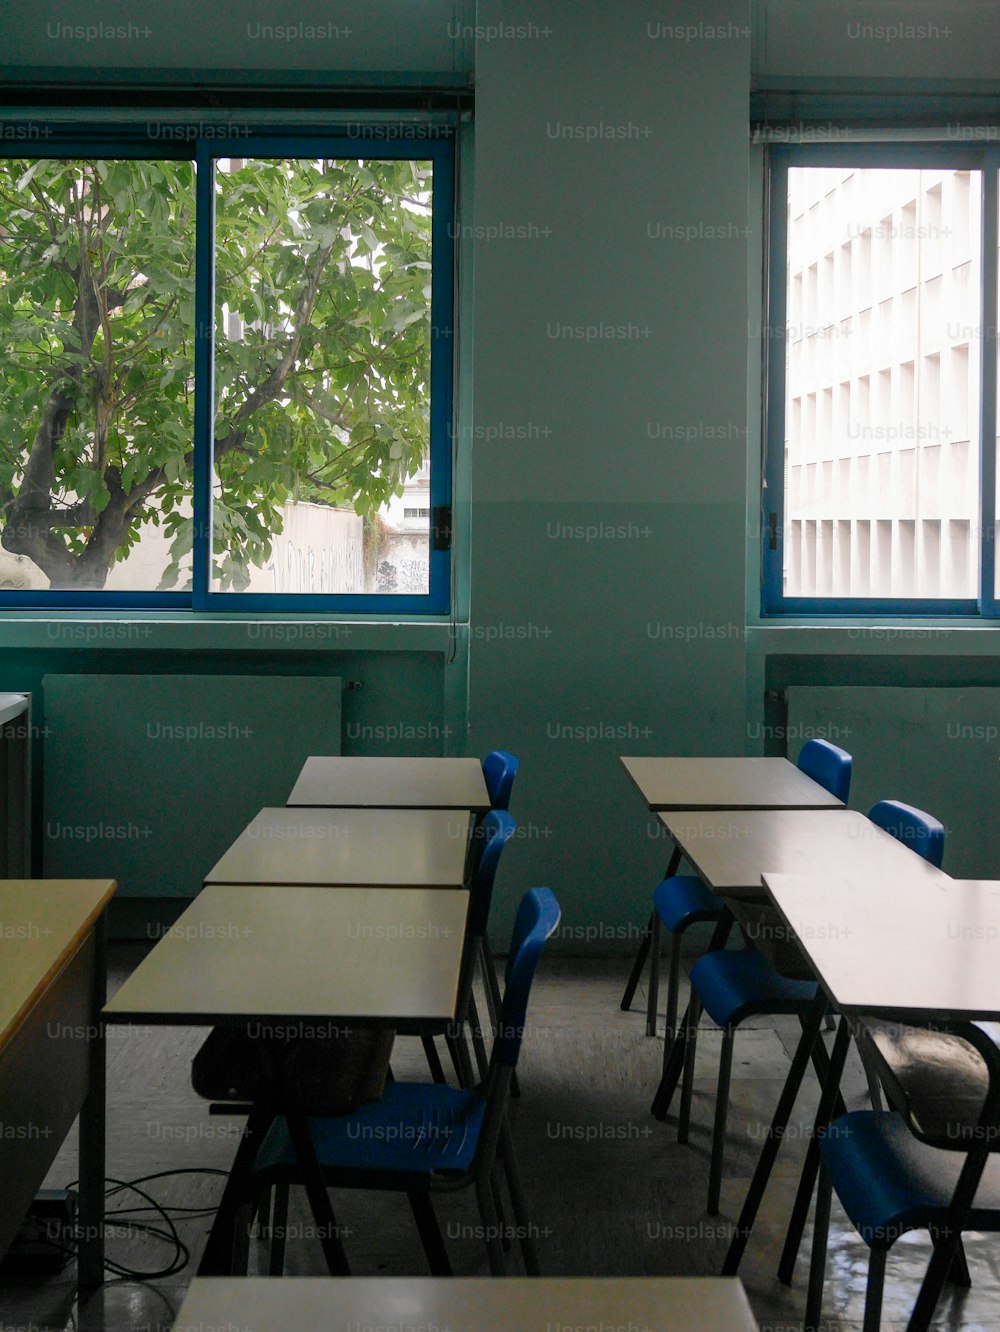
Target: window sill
<point x="860" y="637"/>
<point x="194" y="631"/>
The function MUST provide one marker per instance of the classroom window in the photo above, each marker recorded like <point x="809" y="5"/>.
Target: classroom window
<point x="881" y="417"/>
<point x="222" y="372"/>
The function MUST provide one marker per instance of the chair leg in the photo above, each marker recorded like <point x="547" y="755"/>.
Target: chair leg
<point x="653" y="992"/>
<point x="673" y="983"/>
<point x="687" y="1083"/>
<point x="817" y="1263"/>
<point x="635" y="975"/>
<point x="459" y="1052"/>
<point x="491" y="985"/>
<point x="430" y="1234"/>
<point x="873" y="1295"/>
<point x="719" y="1130"/>
<point x="775" y="1136"/>
<point x="241" y="1240"/>
<point x="518" y="1203"/>
<point x="279" y="1230"/>
<point x="494" y="1002"/>
<point x="958" y="1274"/>
<point x="491" y="1226"/>
<point x="433" y="1059"/>
<point x="478" y="1045"/>
<point x="316" y="1192"/>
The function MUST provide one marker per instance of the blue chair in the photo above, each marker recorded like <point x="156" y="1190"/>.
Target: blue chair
<point x="496" y="830"/>
<point x="891" y="1177"/>
<point x="683" y="900"/>
<point x="426" y="1138"/>
<point x="499" y="770"/>
<point x="734" y="986"/>
<point x="921" y="832"/>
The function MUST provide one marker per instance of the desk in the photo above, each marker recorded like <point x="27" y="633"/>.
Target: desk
<point x="241" y="952"/>
<point x="914" y="951"/>
<point x="897" y="946"/>
<point x="732" y="849"/>
<point x="726" y="783"/>
<point x="52" y="979"/>
<point x="382" y="848"/>
<point x="466" y="1304"/>
<point x="282" y="957"/>
<point x="392" y="783"/>
<point x="708" y="784"/>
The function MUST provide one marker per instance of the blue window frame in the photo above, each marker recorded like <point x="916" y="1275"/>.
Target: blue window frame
<point x="880" y="351"/>
<point x="354" y="412"/>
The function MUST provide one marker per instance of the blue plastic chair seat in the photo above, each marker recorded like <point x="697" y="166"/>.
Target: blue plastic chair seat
<point x="889" y="1182"/>
<point x="416" y="1129"/>
<point x="685" y="900"/>
<point x="734" y="986"/>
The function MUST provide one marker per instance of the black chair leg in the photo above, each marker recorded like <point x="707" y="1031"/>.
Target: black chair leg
<point x="433" y="1059"/>
<point x="827" y="1111"/>
<point x="430" y="1234"/>
<point x="769" y="1152"/>
<point x="635" y="975"/>
<point x="958" y="1274"/>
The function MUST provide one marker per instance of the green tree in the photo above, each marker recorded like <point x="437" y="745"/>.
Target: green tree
<point x="322" y="352"/>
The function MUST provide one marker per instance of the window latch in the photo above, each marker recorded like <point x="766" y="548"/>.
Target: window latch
<point x="773" y="531"/>
<point x="441" y="527"/>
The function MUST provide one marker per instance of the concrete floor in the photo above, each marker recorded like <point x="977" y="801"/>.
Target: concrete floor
<point x="612" y="1191"/>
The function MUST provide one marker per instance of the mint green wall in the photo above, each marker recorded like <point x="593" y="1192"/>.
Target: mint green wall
<point x="574" y="638"/>
<point x="191" y="35"/>
<point x="576" y="649"/>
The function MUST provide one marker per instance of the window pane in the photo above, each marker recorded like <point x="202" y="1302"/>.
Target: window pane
<point x="96" y="394"/>
<point x="882" y="383"/>
<point x="322" y="376"/>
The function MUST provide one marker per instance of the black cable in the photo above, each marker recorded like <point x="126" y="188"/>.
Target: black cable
<point x="182" y="1254"/>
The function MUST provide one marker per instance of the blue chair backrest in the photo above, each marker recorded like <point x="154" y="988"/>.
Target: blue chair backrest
<point x="829" y="765"/>
<point x="537" y="917"/>
<point x="496" y="830"/>
<point x="499" y="770"/>
<point x="921" y="832"/>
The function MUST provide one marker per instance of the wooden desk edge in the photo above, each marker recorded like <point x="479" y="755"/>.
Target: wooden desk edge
<point x="71" y="947"/>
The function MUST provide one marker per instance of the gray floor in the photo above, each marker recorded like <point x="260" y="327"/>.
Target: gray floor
<point x="612" y="1191"/>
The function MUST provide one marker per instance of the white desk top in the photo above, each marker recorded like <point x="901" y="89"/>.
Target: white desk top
<point x="898" y="944"/>
<point x="42" y="923"/>
<point x="278" y="953"/>
<point x="466" y="1304"/>
<point x="726" y="783"/>
<point x="385" y="848"/>
<point x="731" y="849"/>
<point x="11" y="706"/>
<point x="392" y="783"/>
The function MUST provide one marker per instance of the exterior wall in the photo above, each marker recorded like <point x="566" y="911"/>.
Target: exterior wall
<point x="318" y="550"/>
<point x="881" y="455"/>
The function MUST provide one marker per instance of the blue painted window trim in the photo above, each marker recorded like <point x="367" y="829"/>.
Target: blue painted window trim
<point x="436" y="145"/>
<point x="950" y="156"/>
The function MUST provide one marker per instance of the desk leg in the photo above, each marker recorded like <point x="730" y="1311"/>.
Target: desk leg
<point x="828" y="1105"/>
<point x="810" y="1033"/>
<point x="90" y="1260"/>
<point x="675" y="1045"/>
<point x="640" y="958"/>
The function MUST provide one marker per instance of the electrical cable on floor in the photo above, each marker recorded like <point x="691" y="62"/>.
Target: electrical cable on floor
<point x="181" y="1253"/>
